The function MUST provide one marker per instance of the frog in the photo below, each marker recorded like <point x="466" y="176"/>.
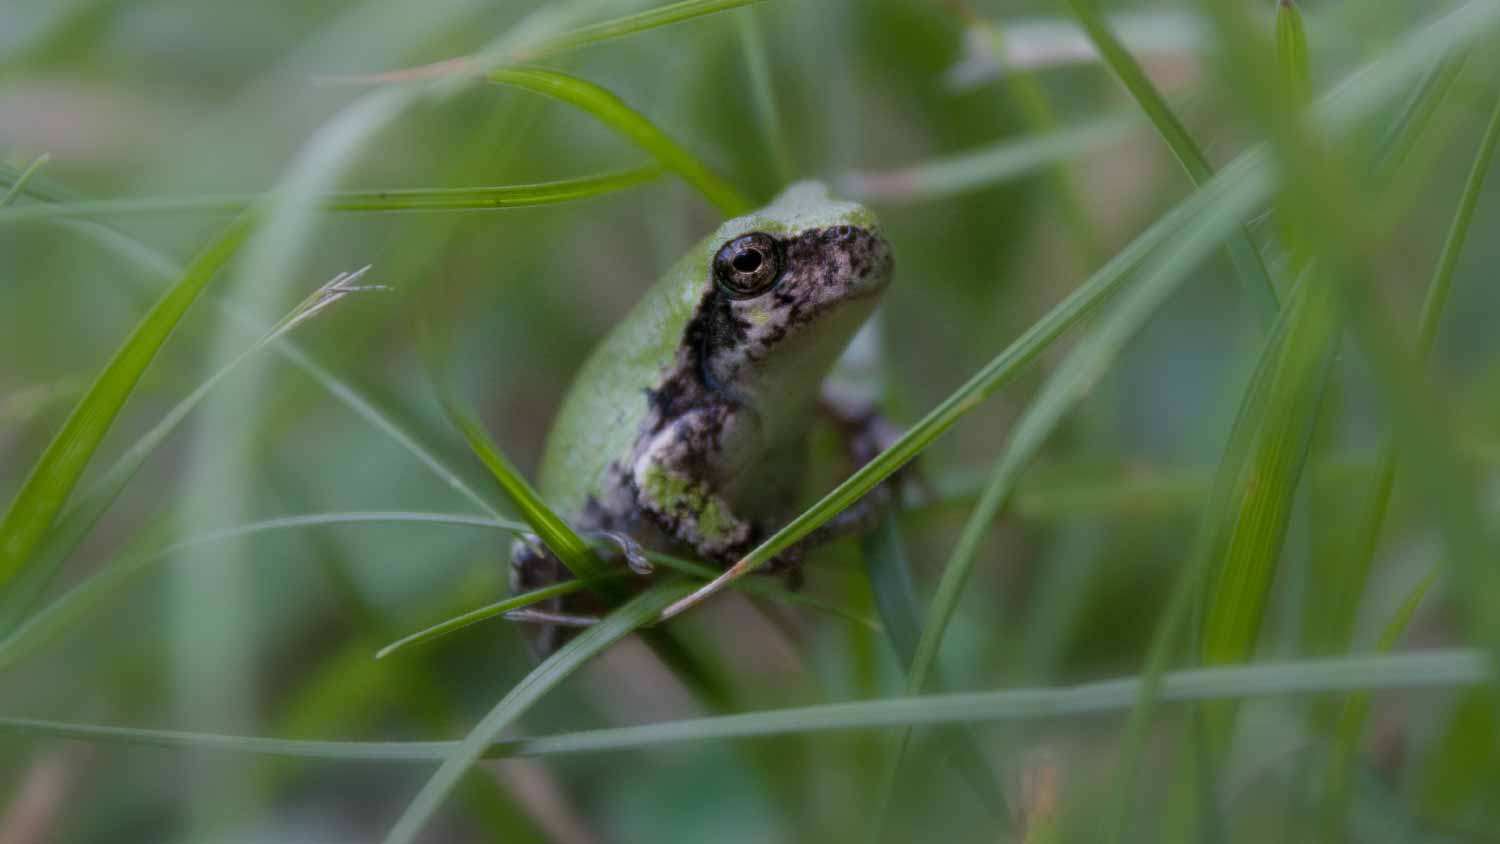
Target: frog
<point x="688" y="428"/>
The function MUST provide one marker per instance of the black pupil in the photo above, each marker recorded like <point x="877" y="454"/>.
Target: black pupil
<point x="747" y="261"/>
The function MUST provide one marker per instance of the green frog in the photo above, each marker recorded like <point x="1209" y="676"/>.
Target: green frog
<point x="688" y="428"/>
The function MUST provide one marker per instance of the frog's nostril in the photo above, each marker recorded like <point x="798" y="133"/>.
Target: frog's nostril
<point x="842" y="233"/>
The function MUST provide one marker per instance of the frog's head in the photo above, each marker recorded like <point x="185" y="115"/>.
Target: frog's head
<point x="791" y="284"/>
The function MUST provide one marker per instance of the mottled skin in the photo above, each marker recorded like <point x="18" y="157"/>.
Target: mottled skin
<point x="687" y="429"/>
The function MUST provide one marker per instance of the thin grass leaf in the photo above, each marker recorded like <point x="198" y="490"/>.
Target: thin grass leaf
<point x="1337" y="792"/>
<point x="567" y="587"/>
<point x="499" y="608"/>
<point x="74" y="605"/>
<point x="1255" y="281"/>
<point x="421" y="199"/>
<point x="552" y="529"/>
<point x="1072" y="381"/>
<point x="985" y="167"/>
<point x="18" y="185"/>
<point x="76" y="521"/>
<point x="891" y="584"/>
<point x="1035" y="105"/>
<point x="1291" y="52"/>
<point x="667" y="15"/>
<point x="55" y="474"/>
<point x="1418" y="54"/>
<point x="1434" y="669"/>
<point x="1249" y="527"/>
<point x="1350" y="725"/>
<point x="636" y="612"/>
<point x="614" y="113"/>
<point x="543" y="35"/>
<point x="753" y="45"/>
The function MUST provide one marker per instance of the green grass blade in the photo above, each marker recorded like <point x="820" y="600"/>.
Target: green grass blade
<point x="73" y="606"/>
<point x="421" y="199"/>
<point x="1434" y="669"/>
<point x="515" y="602"/>
<point x="985" y="167"/>
<point x="1291" y="52"/>
<point x="753" y="45"/>
<point x="636" y="612"/>
<point x="77" y="520"/>
<point x="555" y="533"/>
<point x="1247" y="532"/>
<point x="891" y="584"/>
<point x="1068" y="385"/>
<point x="53" y="477"/>
<point x="1350" y="725"/>
<point x="1349" y="729"/>
<point x="667" y="15"/>
<point x="18" y="184"/>
<point x="614" y="113"/>
<point x="1254" y="279"/>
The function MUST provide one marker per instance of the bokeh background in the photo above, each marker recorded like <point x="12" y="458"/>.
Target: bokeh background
<point x="274" y="633"/>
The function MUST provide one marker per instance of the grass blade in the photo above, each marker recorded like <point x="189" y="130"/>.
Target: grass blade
<point x="421" y="199"/>
<point x="1247" y="531"/>
<point x="636" y="612"/>
<point x="891" y="583"/>
<point x="53" y="477"/>
<point x="667" y="15"/>
<point x="555" y="533"/>
<point x="614" y="113"/>
<point x="1254" y="279"/>
<point x="18" y="185"/>
<point x="71" y="607"/>
<point x="985" y="167"/>
<point x="1450" y="668"/>
<point x="566" y="587"/>
<point x="1350" y="725"/>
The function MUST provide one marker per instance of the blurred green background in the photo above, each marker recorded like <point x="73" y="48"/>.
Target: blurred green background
<point x="273" y="634"/>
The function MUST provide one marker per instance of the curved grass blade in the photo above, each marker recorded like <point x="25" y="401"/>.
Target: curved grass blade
<point x="1349" y="728"/>
<point x="1451" y="668"/>
<point x="53" y="477"/>
<point x="667" y="15"/>
<point x="555" y="533"/>
<point x="76" y="521"/>
<point x="70" y="608"/>
<point x="421" y="199"/>
<point x="1337" y="792"/>
<point x="1291" y="52"/>
<point x="987" y="166"/>
<point x="1247" y="531"/>
<point x="635" y="613"/>
<point x="522" y="44"/>
<point x="18" y="186"/>
<point x="1071" y="382"/>
<point x="1248" y="265"/>
<point x="891" y="583"/>
<point x="568" y="587"/>
<point x="753" y="46"/>
<point x="556" y="590"/>
<point x="614" y="113"/>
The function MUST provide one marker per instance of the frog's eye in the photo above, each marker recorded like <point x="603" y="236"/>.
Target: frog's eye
<point x="748" y="265"/>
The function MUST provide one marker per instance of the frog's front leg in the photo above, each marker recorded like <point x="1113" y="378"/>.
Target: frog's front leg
<point x="675" y="474"/>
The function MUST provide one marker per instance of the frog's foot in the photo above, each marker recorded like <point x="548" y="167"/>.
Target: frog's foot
<point x="630" y="550"/>
<point x="866" y="432"/>
<point x="529" y="615"/>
